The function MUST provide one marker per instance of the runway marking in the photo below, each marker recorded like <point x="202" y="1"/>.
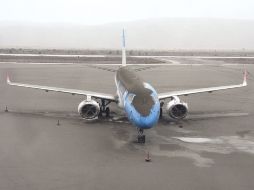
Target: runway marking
<point x="216" y="115"/>
<point x="165" y="64"/>
<point x="198" y="57"/>
<point x="194" y="139"/>
<point x="50" y="55"/>
<point x="130" y="64"/>
<point x="168" y="61"/>
<point x="221" y="144"/>
<point x="138" y="56"/>
<point x="20" y="63"/>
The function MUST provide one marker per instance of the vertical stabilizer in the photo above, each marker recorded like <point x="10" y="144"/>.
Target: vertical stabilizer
<point x="123" y="50"/>
<point x="245" y="77"/>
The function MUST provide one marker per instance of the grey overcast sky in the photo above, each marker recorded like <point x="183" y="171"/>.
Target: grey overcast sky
<point x="91" y="12"/>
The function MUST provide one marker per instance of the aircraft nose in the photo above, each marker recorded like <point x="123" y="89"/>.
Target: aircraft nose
<point x="143" y="121"/>
<point x="150" y="120"/>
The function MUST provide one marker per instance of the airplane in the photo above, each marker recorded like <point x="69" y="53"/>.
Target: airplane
<point x="140" y="101"/>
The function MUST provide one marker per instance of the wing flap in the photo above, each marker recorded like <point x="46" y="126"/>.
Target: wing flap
<point x="201" y="90"/>
<point x="64" y="90"/>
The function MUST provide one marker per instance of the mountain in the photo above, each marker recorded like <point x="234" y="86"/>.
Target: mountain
<point x="162" y="34"/>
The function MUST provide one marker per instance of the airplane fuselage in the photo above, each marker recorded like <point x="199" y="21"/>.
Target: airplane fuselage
<point x="138" y="99"/>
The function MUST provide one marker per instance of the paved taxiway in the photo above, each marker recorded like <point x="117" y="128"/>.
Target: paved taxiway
<point x="214" y="149"/>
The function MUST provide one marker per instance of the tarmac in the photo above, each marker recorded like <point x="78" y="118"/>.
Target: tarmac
<point x="213" y="148"/>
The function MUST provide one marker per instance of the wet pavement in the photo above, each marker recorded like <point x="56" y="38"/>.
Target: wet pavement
<point x="211" y="149"/>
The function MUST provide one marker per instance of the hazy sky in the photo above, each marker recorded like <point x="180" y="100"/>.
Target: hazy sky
<point x="104" y="11"/>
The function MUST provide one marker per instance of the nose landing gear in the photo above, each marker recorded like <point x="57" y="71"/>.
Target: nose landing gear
<point x="141" y="136"/>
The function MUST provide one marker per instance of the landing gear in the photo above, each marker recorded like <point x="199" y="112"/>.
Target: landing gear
<point x="161" y="111"/>
<point x="141" y="136"/>
<point x="104" y="109"/>
<point x="107" y="111"/>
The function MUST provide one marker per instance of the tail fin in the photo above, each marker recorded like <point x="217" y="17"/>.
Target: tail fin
<point x="123" y="50"/>
<point x="8" y="79"/>
<point x="245" y="77"/>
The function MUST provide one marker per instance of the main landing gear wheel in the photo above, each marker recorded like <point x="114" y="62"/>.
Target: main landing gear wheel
<point x="141" y="136"/>
<point x="160" y="112"/>
<point x="107" y="111"/>
<point x="104" y="109"/>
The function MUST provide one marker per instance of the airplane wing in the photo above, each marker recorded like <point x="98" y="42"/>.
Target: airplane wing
<point x="145" y="68"/>
<point x="102" y="68"/>
<point x="114" y="70"/>
<point x="162" y="96"/>
<point x="64" y="90"/>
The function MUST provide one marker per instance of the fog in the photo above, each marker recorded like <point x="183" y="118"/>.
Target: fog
<point x="160" y="33"/>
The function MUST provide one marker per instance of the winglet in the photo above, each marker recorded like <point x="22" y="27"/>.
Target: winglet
<point x="8" y="79"/>
<point x="245" y="78"/>
<point x="123" y="50"/>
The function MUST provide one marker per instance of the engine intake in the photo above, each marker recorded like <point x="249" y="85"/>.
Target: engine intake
<point x="177" y="109"/>
<point x="89" y="109"/>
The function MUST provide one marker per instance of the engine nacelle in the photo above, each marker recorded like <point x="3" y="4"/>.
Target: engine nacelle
<point x="89" y="109"/>
<point x="177" y="109"/>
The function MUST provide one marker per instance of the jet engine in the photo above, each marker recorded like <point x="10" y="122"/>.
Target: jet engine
<point x="89" y="109"/>
<point x="177" y="109"/>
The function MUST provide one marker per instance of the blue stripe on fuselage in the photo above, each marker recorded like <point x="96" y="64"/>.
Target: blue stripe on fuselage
<point x="136" y="118"/>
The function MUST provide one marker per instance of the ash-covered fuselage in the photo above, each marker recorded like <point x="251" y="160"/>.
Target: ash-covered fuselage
<point x="139" y="99"/>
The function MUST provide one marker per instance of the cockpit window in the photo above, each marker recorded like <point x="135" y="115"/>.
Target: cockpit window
<point x="130" y="97"/>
